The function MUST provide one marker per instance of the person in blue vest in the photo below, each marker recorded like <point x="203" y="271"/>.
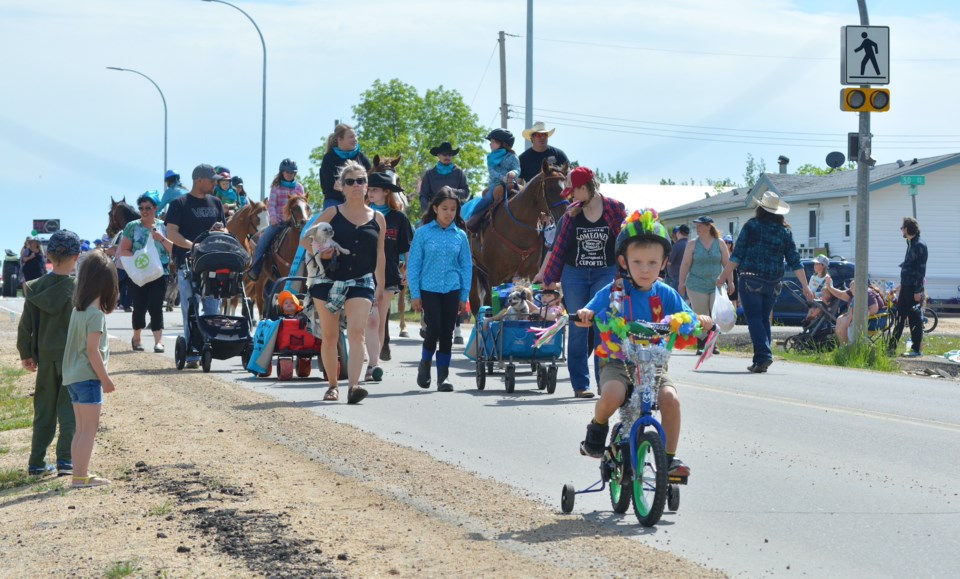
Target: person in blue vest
<point x="504" y="167"/>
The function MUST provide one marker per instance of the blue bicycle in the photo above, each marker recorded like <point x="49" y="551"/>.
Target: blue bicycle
<point x="635" y="462"/>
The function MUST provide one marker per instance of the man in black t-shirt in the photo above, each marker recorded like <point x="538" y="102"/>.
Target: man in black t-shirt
<point x="187" y="217"/>
<point x="531" y="160"/>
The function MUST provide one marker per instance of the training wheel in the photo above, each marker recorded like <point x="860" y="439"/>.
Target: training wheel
<point x="673" y="497"/>
<point x="567" y="498"/>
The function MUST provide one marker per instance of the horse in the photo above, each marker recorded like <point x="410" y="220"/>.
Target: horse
<point x="277" y="260"/>
<point x="243" y="225"/>
<point x="119" y="215"/>
<point x="510" y="244"/>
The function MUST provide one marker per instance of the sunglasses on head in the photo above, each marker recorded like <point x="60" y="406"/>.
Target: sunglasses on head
<point x="358" y="181"/>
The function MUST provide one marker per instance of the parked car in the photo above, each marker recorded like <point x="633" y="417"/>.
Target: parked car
<point x="11" y="274"/>
<point x="789" y="310"/>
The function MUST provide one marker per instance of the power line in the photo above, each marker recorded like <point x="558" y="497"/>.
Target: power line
<point x="749" y="132"/>
<point x="484" y="75"/>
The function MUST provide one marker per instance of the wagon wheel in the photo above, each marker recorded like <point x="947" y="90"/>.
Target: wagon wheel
<point x="510" y="379"/>
<point x="303" y="366"/>
<point x="481" y="376"/>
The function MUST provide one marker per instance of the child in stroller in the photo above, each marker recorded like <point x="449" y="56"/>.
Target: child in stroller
<point x="818" y="330"/>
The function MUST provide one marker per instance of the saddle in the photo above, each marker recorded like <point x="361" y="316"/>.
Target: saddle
<point x="477" y="224"/>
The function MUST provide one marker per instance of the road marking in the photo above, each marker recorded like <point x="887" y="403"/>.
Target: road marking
<point x="948" y="426"/>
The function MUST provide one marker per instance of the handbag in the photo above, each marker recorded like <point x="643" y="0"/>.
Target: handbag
<point x="723" y="313"/>
<point x="144" y="265"/>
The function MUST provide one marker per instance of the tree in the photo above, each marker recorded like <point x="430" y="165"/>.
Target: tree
<point x="619" y="178"/>
<point x="810" y="169"/>
<point x="754" y="170"/>
<point x="393" y="119"/>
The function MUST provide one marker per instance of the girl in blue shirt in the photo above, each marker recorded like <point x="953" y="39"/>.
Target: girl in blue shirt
<point x="439" y="273"/>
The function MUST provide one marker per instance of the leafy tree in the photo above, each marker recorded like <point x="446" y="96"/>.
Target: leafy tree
<point x="810" y="169"/>
<point x="753" y="170"/>
<point x="667" y="182"/>
<point x="392" y="119"/>
<point x="619" y="178"/>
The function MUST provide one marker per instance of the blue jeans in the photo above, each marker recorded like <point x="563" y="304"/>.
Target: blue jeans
<point x="482" y="204"/>
<point x="211" y="306"/>
<point x="266" y="238"/>
<point x="757" y="296"/>
<point x="579" y="285"/>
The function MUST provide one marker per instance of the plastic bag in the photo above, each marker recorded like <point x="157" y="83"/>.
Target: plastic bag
<point x="723" y="313"/>
<point x="144" y="265"/>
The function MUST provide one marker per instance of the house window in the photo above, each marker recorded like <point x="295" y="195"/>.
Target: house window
<point x="812" y="233"/>
<point x="846" y="222"/>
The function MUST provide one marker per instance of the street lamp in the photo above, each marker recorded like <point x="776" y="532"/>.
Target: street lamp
<point x="263" y="116"/>
<point x="164" y="108"/>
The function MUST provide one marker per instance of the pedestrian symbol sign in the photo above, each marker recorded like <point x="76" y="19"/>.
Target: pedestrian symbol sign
<point x="865" y="55"/>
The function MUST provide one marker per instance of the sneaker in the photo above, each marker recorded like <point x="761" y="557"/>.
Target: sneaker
<point x="678" y="468"/>
<point x="45" y="470"/>
<point x="912" y="354"/>
<point x="458" y="340"/>
<point x="404" y="334"/>
<point x="64" y="467"/>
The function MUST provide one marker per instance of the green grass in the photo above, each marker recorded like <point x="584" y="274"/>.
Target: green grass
<point x="11" y="478"/>
<point x="160" y="510"/>
<point x="122" y="569"/>
<point x="16" y="411"/>
<point x="868" y="356"/>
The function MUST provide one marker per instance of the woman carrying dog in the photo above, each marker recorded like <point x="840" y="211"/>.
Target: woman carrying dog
<point x="348" y="285"/>
<point x="383" y="193"/>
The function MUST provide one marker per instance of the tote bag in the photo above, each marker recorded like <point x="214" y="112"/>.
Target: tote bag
<point x="144" y="265"/>
<point x="723" y="314"/>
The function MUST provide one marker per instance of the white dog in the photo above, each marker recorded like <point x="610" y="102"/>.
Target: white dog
<point x="321" y="238"/>
<point x="519" y="306"/>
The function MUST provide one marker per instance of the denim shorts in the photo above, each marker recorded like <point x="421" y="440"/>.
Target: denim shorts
<point x="321" y="291"/>
<point x="86" y="392"/>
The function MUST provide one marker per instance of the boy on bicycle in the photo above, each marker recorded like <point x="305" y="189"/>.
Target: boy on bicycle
<point x="641" y="249"/>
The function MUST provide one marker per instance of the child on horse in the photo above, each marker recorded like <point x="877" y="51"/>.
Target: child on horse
<point x="642" y="248"/>
<point x="504" y="166"/>
<point x="284" y="186"/>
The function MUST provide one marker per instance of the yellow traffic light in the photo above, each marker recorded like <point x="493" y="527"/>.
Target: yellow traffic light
<point x="865" y="100"/>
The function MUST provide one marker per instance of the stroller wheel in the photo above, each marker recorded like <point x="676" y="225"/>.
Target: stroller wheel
<point x="180" y="352"/>
<point x="206" y="359"/>
<point x="793" y="344"/>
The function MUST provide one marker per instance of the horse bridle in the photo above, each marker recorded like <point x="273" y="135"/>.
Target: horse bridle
<point x="543" y="191"/>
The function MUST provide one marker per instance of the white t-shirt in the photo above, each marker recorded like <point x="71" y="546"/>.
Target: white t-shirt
<point x="816" y="284"/>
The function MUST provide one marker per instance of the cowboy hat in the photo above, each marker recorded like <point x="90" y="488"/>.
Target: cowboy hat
<point x="538" y="127"/>
<point x="771" y="202"/>
<point x="386" y="180"/>
<point x="444" y="147"/>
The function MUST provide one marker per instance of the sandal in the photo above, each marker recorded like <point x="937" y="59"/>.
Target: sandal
<point x="137" y="347"/>
<point x="332" y="394"/>
<point x="84" y="482"/>
<point x="356" y="394"/>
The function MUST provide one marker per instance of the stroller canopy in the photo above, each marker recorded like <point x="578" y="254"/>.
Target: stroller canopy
<point x="219" y="251"/>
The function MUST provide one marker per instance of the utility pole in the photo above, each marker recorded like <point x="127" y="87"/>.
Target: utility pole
<point x="528" y="117"/>
<point x="863" y="212"/>
<point x="503" y="80"/>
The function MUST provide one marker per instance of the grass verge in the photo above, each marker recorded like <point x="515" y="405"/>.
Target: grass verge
<point x="16" y="409"/>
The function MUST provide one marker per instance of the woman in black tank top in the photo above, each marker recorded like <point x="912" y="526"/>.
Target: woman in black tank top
<point x="348" y="286"/>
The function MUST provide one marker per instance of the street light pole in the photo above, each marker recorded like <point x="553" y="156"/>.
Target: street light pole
<point x="263" y="114"/>
<point x="163" y="98"/>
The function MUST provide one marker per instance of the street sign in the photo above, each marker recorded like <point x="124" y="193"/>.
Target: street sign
<point x="864" y="55"/>
<point x="46" y="225"/>
<point x="913" y="179"/>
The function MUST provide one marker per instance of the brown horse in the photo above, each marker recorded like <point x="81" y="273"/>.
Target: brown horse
<point x="276" y="262"/>
<point x="511" y="243"/>
<point x="119" y="215"/>
<point x="243" y="225"/>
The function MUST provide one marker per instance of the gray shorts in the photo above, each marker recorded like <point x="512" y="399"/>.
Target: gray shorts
<point x="616" y="371"/>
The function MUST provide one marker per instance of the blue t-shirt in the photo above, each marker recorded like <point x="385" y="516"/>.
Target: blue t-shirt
<point x="636" y="303"/>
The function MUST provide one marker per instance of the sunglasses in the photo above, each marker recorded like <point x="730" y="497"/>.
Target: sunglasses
<point x="358" y="181"/>
<point x="147" y="207"/>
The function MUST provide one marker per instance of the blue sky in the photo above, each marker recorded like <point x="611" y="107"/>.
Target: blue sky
<point x="681" y="89"/>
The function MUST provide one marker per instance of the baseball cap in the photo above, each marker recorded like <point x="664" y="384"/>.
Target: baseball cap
<point x="205" y="171"/>
<point x="63" y="243"/>
<point x="578" y="177"/>
<point x="822" y="260"/>
<point x="706" y="219"/>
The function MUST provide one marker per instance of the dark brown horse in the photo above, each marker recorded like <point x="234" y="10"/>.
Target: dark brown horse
<point x="276" y="262"/>
<point x="119" y="215"/>
<point x="511" y="243"/>
<point x="243" y="225"/>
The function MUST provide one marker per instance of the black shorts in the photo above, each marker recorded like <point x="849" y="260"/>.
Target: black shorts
<point x="321" y="291"/>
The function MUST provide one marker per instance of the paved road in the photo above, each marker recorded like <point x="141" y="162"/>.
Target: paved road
<point x="803" y="470"/>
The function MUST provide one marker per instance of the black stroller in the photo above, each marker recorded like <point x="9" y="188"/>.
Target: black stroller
<point x="819" y="332"/>
<point x="217" y="265"/>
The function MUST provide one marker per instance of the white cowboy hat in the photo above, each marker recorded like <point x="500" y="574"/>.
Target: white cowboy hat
<point x="771" y="202"/>
<point x="538" y="127"/>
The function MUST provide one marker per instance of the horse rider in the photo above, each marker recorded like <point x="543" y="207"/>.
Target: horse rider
<point x="532" y="159"/>
<point x="504" y="167"/>
<point x="284" y="186"/>
<point x="174" y="189"/>
<point x="444" y="174"/>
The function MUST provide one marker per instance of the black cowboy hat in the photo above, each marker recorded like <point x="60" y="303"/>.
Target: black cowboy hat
<point x="444" y="147"/>
<point x="386" y="180"/>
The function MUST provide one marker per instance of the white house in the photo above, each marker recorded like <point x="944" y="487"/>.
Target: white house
<point x="823" y="216"/>
<point x="660" y="197"/>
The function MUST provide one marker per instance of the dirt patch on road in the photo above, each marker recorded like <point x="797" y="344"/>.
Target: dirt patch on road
<point x="214" y="480"/>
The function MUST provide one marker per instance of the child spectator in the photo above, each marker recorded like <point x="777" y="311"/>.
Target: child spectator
<point x="85" y="358"/>
<point x="40" y="340"/>
<point x="551" y="305"/>
<point x="642" y="249"/>
<point x="439" y="274"/>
